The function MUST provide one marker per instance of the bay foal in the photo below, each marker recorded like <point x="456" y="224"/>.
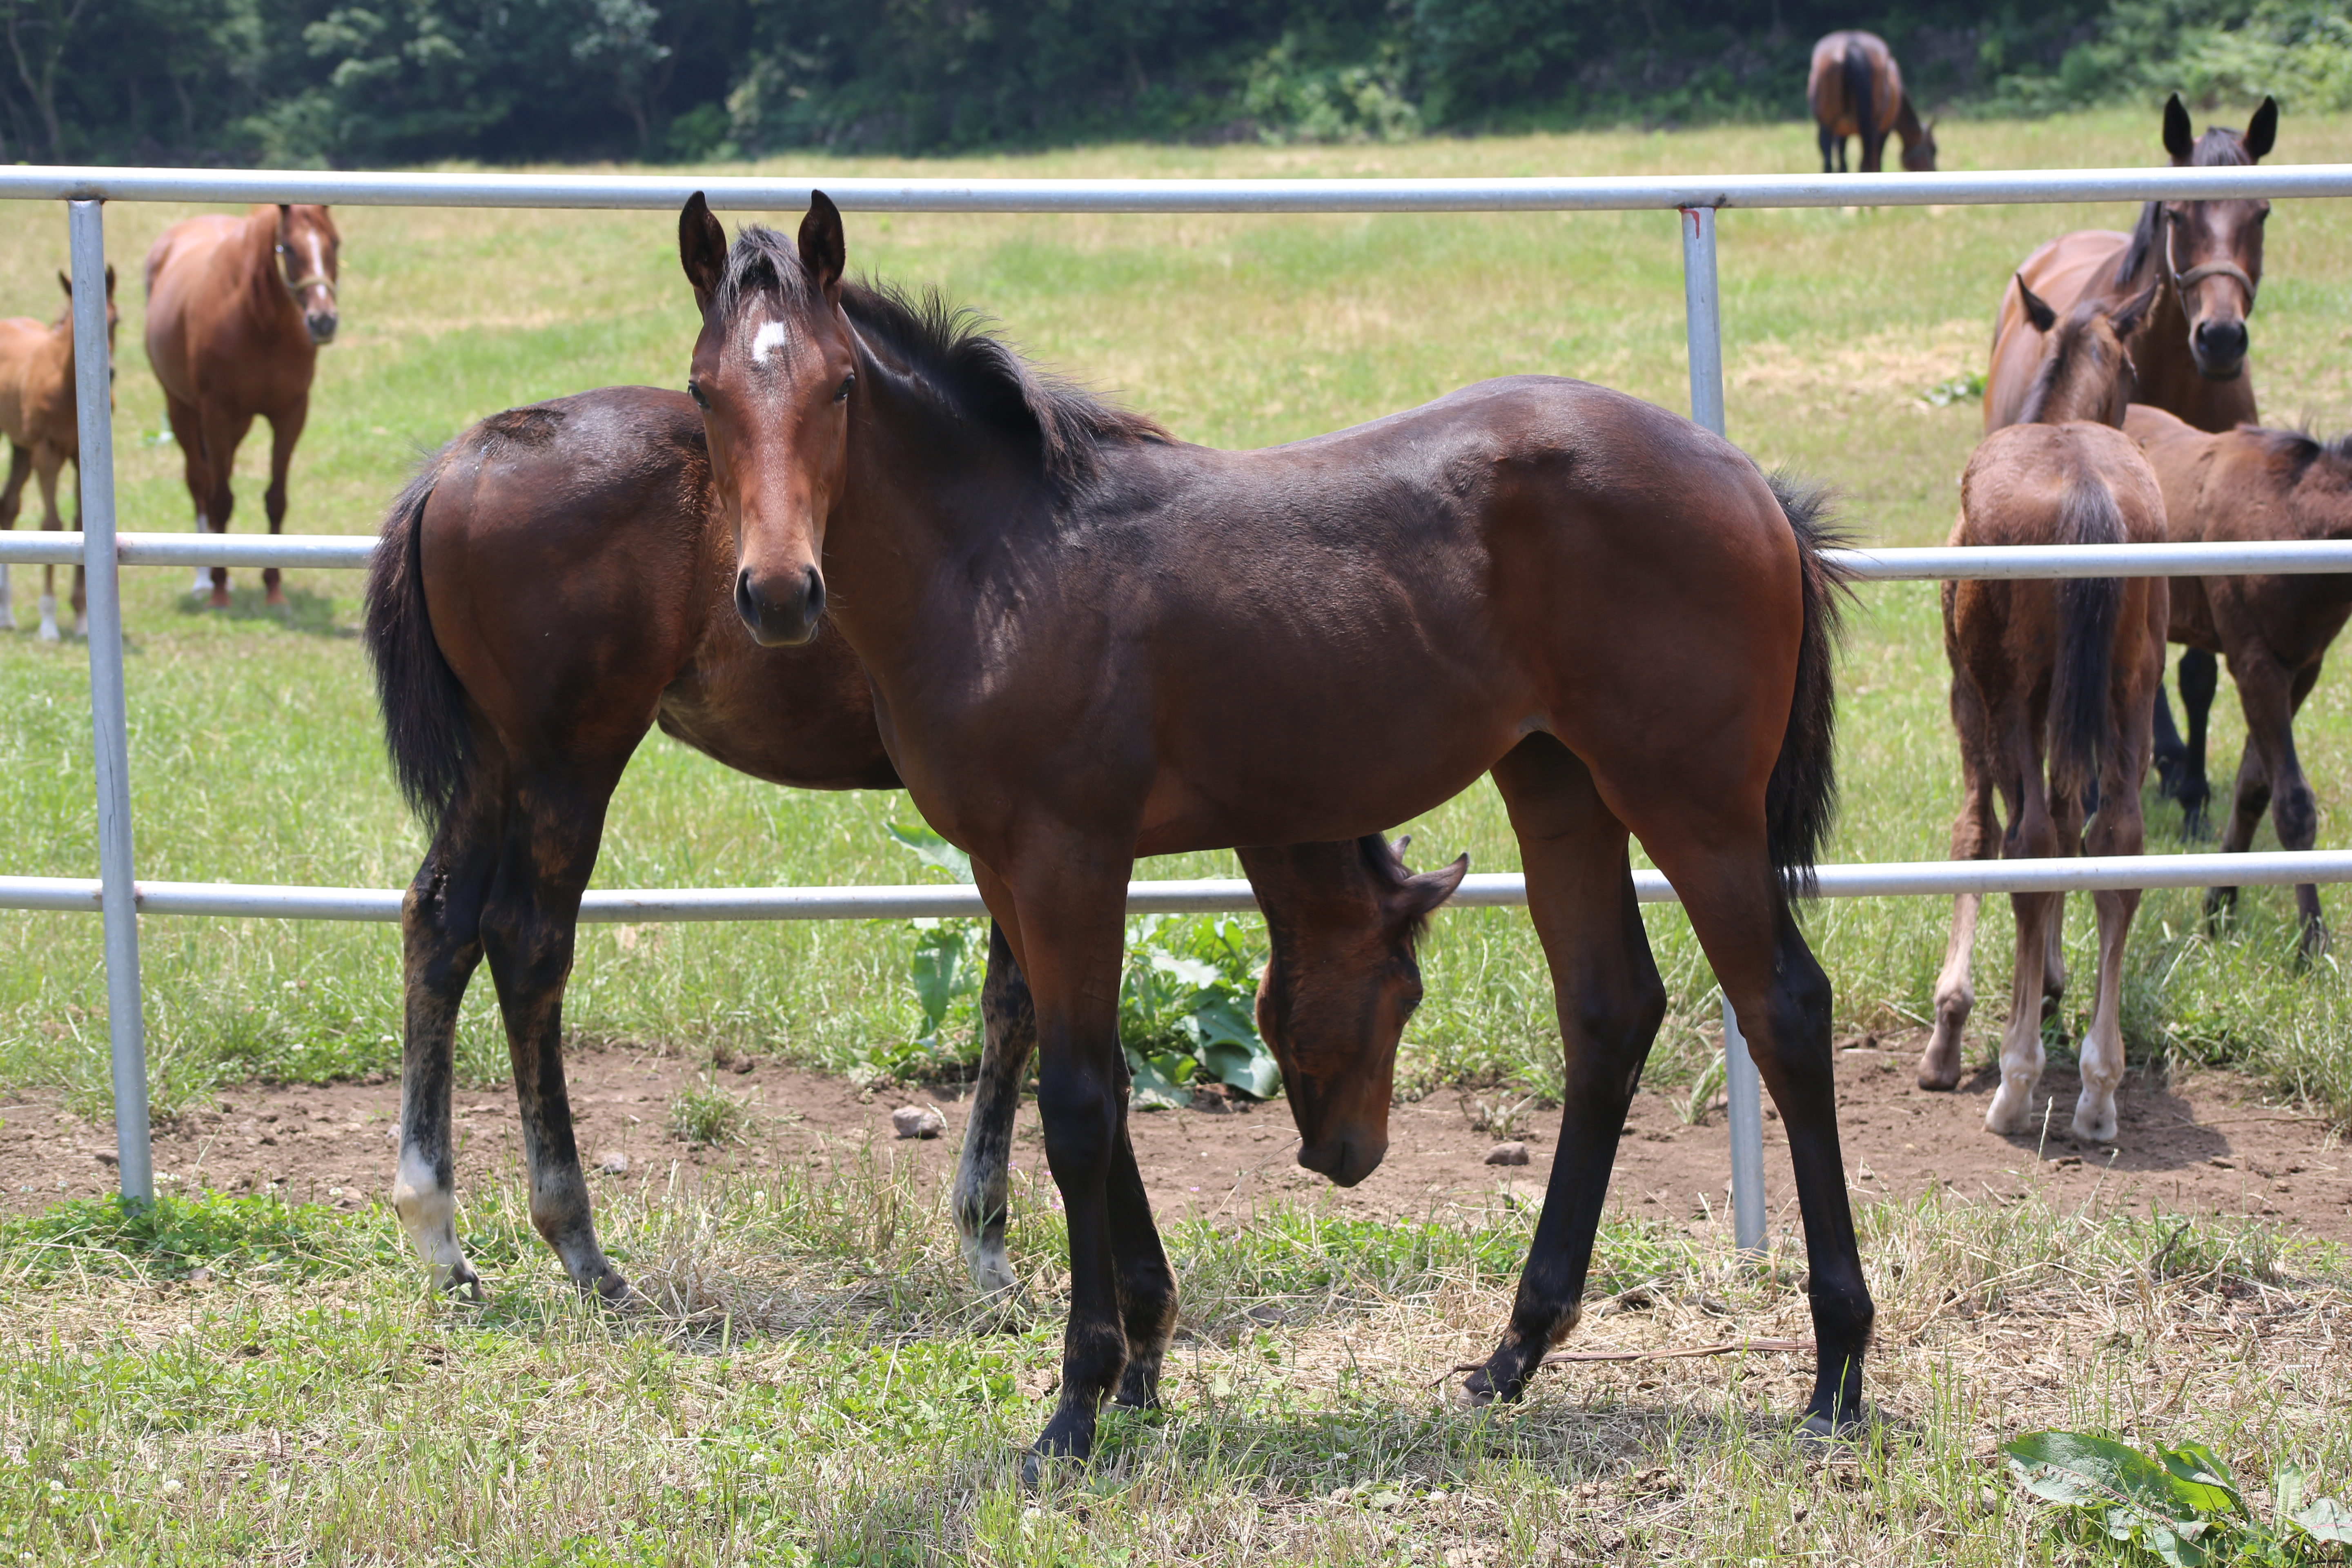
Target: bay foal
<point x="39" y="415"/>
<point x="2062" y="673"/>
<point x="1089" y="641"/>
<point x="555" y="582"/>
<point x="2274" y="631"/>
<point x="236" y="311"/>
<point x="1855" y="89"/>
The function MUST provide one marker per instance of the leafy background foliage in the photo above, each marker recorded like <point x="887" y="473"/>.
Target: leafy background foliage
<point x="387" y="82"/>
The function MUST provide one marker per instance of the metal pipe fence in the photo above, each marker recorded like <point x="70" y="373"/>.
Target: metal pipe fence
<point x="118" y="899"/>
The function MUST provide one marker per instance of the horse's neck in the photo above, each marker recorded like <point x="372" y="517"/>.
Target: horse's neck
<point x="1907" y="122"/>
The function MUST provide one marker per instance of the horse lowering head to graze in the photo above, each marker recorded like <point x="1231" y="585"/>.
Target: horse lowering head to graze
<point x="2251" y="484"/>
<point x="41" y="420"/>
<point x="236" y="311"/>
<point x="1855" y="89"/>
<point x="2052" y="688"/>
<point x="558" y="580"/>
<point x="1089" y="641"/>
<point x="2205" y="258"/>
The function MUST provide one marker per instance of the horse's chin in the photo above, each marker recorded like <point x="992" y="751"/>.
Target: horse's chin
<point x="2210" y="373"/>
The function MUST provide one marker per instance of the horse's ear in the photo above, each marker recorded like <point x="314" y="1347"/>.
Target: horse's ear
<point x="2261" y="131"/>
<point x="2179" y="136"/>
<point x="824" y="250"/>
<point x="701" y="248"/>
<point x="110" y="279"/>
<point x="1418" y="896"/>
<point x="2127" y="318"/>
<point x="2042" y="317"/>
<point x="66" y="283"/>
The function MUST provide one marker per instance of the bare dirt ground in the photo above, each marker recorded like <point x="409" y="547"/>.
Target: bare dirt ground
<point x="2202" y="1143"/>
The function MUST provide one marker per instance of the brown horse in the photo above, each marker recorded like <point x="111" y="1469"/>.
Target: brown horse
<point x="236" y="309"/>
<point x="552" y="585"/>
<point x="2060" y="669"/>
<point x="2251" y="483"/>
<point x="1089" y="642"/>
<point x="39" y="415"/>
<point x="2189" y="356"/>
<point x="1857" y="89"/>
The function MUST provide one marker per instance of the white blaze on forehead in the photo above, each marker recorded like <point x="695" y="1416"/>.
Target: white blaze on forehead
<point x="770" y="336"/>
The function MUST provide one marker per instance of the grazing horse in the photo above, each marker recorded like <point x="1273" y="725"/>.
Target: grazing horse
<point x="39" y="415"/>
<point x="1857" y="89"/>
<point x="2251" y="483"/>
<point x="551" y="585"/>
<point x="2061" y="669"/>
<point x="1089" y="641"/>
<point x="237" y="309"/>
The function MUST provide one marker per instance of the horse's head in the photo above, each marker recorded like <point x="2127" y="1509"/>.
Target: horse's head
<point x="1919" y="152"/>
<point x="1340" y="983"/>
<point x="2086" y="371"/>
<point x="113" y="316"/>
<point x="774" y="370"/>
<point x="2211" y="252"/>
<point x="308" y="262"/>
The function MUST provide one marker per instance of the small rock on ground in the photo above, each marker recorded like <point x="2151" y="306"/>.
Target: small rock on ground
<point x="917" y="1121"/>
<point x="1512" y="1153"/>
<point x="616" y="1163"/>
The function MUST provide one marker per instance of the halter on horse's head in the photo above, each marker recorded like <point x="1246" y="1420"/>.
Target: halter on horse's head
<point x="306" y="250"/>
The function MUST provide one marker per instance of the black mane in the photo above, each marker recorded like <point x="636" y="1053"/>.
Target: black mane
<point x="2298" y="449"/>
<point x="2217" y="149"/>
<point x="951" y="354"/>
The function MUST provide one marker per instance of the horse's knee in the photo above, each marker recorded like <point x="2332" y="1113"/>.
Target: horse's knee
<point x="2296" y="811"/>
<point x="533" y="953"/>
<point x="1079" y="1112"/>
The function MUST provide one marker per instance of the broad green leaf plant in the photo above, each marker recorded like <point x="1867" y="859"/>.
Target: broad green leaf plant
<point x="1187" y="1002"/>
<point x="2181" y="1505"/>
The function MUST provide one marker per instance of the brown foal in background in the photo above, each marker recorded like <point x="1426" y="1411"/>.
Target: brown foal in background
<point x="236" y="311"/>
<point x="1855" y="89"/>
<point x="2063" y="671"/>
<point x="37" y="415"/>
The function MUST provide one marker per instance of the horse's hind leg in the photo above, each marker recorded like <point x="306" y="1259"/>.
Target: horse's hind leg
<point x="1009" y="1038"/>
<point x="2199" y="678"/>
<point x="2271" y="695"/>
<point x="1976" y="835"/>
<point x="188" y="435"/>
<point x="46" y="461"/>
<point x="1828" y="141"/>
<point x="1609" y="1000"/>
<point x="440" y="928"/>
<point x="529" y="929"/>
<point x="12" y="502"/>
<point x="285" y="429"/>
<point x="221" y="437"/>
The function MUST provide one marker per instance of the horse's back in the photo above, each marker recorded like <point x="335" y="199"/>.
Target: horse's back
<point x="2015" y="487"/>
<point x="2060" y="273"/>
<point x="1825" y="83"/>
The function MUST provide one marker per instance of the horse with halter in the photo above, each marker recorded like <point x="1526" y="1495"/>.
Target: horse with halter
<point x="236" y="311"/>
<point x="1089" y="641"/>
<point x="2059" y="673"/>
<point x="557" y="580"/>
<point x="42" y="421"/>
<point x="1855" y="89"/>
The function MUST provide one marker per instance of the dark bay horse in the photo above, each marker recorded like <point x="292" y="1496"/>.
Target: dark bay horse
<point x="237" y="309"/>
<point x="1089" y="641"/>
<point x="39" y="415"/>
<point x="2251" y="483"/>
<point x="1855" y="89"/>
<point x="555" y="582"/>
<point x="2189" y="356"/>
<point x="2054" y="672"/>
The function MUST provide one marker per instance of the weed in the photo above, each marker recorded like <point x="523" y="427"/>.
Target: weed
<point x="706" y="1115"/>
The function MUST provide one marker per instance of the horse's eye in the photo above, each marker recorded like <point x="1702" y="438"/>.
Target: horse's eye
<point x="701" y="398"/>
<point x="847" y="383"/>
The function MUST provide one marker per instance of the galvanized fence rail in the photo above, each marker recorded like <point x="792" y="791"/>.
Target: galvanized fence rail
<point x="119" y="899"/>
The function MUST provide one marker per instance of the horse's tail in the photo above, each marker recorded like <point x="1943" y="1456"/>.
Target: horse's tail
<point x="2087" y="610"/>
<point x="1801" y="800"/>
<point x="426" y="728"/>
<point x="1859" y="91"/>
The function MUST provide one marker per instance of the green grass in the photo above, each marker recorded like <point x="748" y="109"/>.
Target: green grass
<point x="810" y="1383"/>
<point x="255" y="752"/>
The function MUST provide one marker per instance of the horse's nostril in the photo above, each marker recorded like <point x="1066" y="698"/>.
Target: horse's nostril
<point x="815" y="592"/>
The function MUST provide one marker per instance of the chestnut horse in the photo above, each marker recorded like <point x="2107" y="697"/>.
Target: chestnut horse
<point x="1089" y="641"/>
<point x="236" y="309"/>
<point x="2062" y="669"/>
<point x="1857" y="89"/>
<point x="2251" y="483"/>
<point x="39" y="415"/>
<point x="552" y="585"/>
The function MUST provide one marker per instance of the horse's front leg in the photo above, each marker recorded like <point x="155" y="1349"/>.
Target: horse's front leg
<point x="12" y="499"/>
<point x="2199" y="678"/>
<point x="285" y="429"/>
<point x="1009" y="1038"/>
<point x="1068" y="912"/>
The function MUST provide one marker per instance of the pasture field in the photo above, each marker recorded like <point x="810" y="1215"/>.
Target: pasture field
<point x="240" y="1379"/>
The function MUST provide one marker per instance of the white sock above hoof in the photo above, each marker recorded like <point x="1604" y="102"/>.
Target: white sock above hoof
<point x="48" y="618"/>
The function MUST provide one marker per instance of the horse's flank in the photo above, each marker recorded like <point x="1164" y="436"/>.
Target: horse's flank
<point x="41" y="420"/>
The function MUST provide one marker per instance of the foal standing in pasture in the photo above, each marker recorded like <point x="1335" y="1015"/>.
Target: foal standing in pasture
<point x="1857" y="89"/>
<point x="2251" y="483"/>
<point x="1089" y="641"/>
<point x="237" y="310"/>
<point x="2064" y="669"/>
<point x="555" y="582"/>
<point x="39" y="416"/>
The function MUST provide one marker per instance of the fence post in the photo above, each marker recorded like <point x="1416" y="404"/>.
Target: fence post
<point x="1702" y="325"/>
<point x="94" y="405"/>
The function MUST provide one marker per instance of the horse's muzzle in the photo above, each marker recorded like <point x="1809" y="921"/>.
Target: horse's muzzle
<point x="1347" y="1157"/>
<point x="322" y="326"/>
<point x="788" y="620"/>
<point x="2220" y="349"/>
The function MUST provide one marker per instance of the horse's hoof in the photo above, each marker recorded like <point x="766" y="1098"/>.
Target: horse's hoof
<point x="2096" y="1128"/>
<point x="612" y="1289"/>
<point x="220" y="599"/>
<point x="1938" y="1078"/>
<point x="991" y="1274"/>
<point x="1817" y="1434"/>
<point x="274" y="599"/>
<point x="2009" y="1114"/>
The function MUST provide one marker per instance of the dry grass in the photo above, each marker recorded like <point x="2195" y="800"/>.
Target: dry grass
<point x="810" y="1382"/>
